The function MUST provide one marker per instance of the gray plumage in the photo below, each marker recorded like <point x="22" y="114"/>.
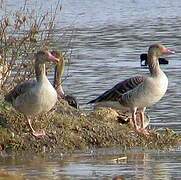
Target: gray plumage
<point x="116" y="92"/>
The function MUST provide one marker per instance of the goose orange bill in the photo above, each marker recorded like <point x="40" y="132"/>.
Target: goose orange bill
<point x="52" y="58"/>
<point x="168" y="51"/>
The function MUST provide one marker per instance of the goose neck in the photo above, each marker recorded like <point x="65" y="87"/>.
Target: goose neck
<point x="59" y="68"/>
<point x="40" y="71"/>
<point x="153" y="64"/>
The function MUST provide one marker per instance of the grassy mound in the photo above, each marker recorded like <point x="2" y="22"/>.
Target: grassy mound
<point x="68" y="129"/>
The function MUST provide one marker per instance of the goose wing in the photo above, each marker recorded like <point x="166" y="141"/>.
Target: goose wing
<point x="19" y="90"/>
<point x="115" y="93"/>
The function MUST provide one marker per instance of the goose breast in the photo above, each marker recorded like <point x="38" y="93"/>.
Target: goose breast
<point x="147" y="93"/>
<point x="39" y="99"/>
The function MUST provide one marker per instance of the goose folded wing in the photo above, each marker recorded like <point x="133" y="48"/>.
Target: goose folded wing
<point x="19" y="90"/>
<point x="115" y="93"/>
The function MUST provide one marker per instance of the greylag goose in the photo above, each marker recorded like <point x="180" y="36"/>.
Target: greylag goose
<point x="144" y="59"/>
<point x="59" y="70"/>
<point x="32" y="98"/>
<point x="139" y="92"/>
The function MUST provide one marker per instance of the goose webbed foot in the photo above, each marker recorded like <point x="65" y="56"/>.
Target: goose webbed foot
<point x="40" y="133"/>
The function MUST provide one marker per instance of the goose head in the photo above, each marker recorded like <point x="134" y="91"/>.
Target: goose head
<point x="44" y="56"/>
<point x="41" y="57"/>
<point x="154" y="53"/>
<point x="158" y="50"/>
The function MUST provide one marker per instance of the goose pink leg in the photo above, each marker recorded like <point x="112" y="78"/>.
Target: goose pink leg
<point x="134" y="119"/>
<point x="138" y="129"/>
<point x="142" y="118"/>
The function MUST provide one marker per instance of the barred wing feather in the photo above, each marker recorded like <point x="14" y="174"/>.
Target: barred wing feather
<point x="19" y="90"/>
<point x="115" y="93"/>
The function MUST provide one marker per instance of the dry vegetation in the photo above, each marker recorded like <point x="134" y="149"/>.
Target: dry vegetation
<point x="22" y="33"/>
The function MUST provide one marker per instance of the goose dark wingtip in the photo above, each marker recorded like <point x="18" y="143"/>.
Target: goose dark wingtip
<point x="92" y="101"/>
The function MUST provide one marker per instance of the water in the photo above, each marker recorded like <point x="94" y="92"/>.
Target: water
<point x="107" y="43"/>
<point x="107" y="39"/>
<point x="96" y="164"/>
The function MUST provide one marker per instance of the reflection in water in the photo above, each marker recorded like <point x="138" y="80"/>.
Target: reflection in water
<point x="95" y="164"/>
<point x="5" y="175"/>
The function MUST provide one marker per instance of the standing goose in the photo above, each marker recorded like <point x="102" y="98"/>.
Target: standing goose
<point x="59" y="70"/>
<point x="35" y="97"/>
<point x="139" y="92"/>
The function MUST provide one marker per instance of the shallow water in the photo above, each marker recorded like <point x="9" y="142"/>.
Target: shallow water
<point x="107" y="39"/>
<point x="94" y="164"/>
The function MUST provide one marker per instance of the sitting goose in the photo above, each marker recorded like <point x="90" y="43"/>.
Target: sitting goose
<point x="139" y="92"/>
<point x="144" y="60"/>
<point x="59" y="70"/>
<point x="35" y="97"/>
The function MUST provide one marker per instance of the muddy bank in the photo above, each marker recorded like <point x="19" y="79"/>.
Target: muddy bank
<point x="68" y="129"/>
